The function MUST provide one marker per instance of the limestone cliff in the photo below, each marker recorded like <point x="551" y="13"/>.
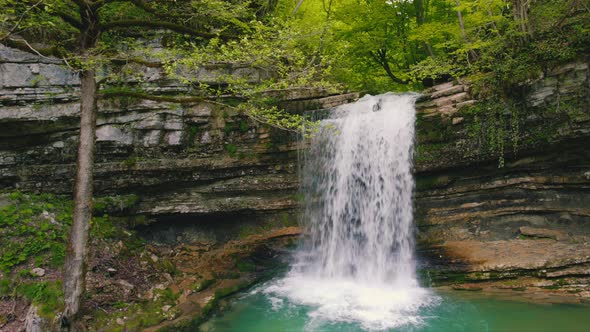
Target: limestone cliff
<point x="512" y="200"/>
<point x="502" y="186"/>
<point x="198" y="160"/>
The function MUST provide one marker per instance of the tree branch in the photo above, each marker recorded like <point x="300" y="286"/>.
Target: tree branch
<point x="380" y="56"/>
<point x="297" y="7"/>
<point x="143" y="62"/>
<point x="140" y="95"/>
<point x="106" y="94"/>
<point x="81" y="3"/>
<point x="188" y="100"/>
<point x="23" y="45"/>
<point x="21" y="18"/>
<point x="158" y="24"/>
<point x="69" y="19"/>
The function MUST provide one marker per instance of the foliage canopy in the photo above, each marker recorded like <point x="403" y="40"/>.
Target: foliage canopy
<point x="381" y="45"/>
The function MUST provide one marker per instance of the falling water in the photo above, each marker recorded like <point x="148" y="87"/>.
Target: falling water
<point x="358" y="183"/>
<point x="357" y="263"/>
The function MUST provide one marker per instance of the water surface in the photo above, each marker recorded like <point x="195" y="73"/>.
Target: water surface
<point x="261" y="311"/>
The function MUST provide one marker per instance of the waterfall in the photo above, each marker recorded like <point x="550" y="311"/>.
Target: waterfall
<point x="357" y="180"/>
<point x="357" y="263"/>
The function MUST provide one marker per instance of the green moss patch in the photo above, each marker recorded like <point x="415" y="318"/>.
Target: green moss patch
<point x="34" y="226"/>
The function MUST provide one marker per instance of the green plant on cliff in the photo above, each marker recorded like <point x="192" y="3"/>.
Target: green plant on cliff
<point x="117" y="203"/>
<point x="33" y="226"/>
<point x="34" y="231"/>
<point x="492" y="125"/>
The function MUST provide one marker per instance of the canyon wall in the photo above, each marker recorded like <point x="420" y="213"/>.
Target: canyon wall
<point x="502" y="187"/>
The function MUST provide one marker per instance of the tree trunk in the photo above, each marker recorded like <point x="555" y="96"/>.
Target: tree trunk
<point x="297" y="7"/>
<point x="420" y="7"/>
<point x="461" y="24"/>
<point x="380" y="56"/>
<point x="75" y="265"/>
<point x="471" y="55"/>
<point x="77" y="251"/>
<point x="520" y="11"/>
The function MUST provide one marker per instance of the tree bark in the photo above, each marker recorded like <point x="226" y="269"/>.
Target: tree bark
<point x="461" y="24"/>
<point x="520" y="11"/>
<point x="77" y="251"/>
<point x="75" y="265"/>
<point x="420" y="7"/>
<point x="297" y="7"/>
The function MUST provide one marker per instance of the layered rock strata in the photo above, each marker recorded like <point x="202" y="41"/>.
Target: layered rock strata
<point x="502" y="187"/>
<point x="200" y="159"/>
<point x="493" y="214"/>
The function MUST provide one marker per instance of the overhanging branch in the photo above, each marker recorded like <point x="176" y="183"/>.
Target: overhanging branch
<point x="143" y="62"/>
<point x="69" y="19"/>
<point x="140" y="95"/>
<point x="158" y="25"/>
<point x="23" y="45"/>
<point x="189" y="100"/>
<point x="380" y="56"/>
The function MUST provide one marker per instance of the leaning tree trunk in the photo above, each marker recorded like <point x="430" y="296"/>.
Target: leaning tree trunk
<point x="471" y="53"/>
<point x="77" y="252"/>
<point x="75" y="265"/>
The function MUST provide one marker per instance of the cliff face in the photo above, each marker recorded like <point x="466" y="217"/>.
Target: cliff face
<point x="509" y="202"/>
<point x="196" y="161"/>
<point x="502" y="187"/>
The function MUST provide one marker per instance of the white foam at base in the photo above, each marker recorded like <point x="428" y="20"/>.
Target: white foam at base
<point x="374" y="307"/>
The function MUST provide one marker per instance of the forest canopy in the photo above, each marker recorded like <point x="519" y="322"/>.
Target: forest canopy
<point x="382" y="45"/>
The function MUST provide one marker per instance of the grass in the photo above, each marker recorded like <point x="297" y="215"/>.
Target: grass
<point x="140" y="315"/>
<point x="46" y="295"/>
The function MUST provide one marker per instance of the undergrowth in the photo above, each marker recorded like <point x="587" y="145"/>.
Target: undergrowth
<point x="34" y="231"/>
<point x="34" y="226"/>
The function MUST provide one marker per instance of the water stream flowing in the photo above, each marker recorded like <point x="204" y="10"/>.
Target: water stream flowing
<point x="357" y="262"/>
<point x="355" y="268"/>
